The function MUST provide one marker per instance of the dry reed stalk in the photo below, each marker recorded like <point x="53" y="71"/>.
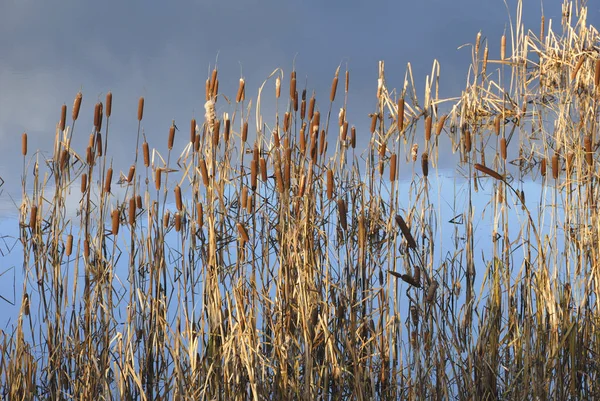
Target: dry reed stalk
<point x="342" y="117"/>
<point x="425" y="164"/>
<point x="193" y="131"/>
<point x="69" y="246"/>
<point x="140" y="113"/>
<point x="178" y="199"/>
<point x="243" y="232"/>
<point x="334" y="86"/>
<point x="177" y="222"/>
<point x="353" y="137"/>
<point x="374" y="118"/>
<point x="467" y="141"/>
<point x="330" y="184"/>
<point x="316" y="121"/>
<point x="311" y="107"/>
<point x="263" y="169"/>
<point x="131" y="173"/>
<point x="76" y="106"/>
<point x="146" y="151"/>
<point x="132" y="211"/>
<point x="108" y="180"/>
<point x="410" y="240"/>
<point x="587" y="146"/>
<point x="543" y="167"/>
<point x="115" y="222"/>
<point x="24" y="144"/>
<point x="138" y="201"/>
<point x="83" y="183"/>
<point x="253" y="176"/>
<point x="555" y="166"/>
<point x="503" y="148"/>
<point x="342" y="210"/>
<point x="503" y="48"/>
<point x="171" y="136"/>
<point x="400" y="115"/>
<point x="488" y="171"/>
<point x="99" y="144"/>
<point x="200" y="214"/>
<point x="393" y="167"/>
<point x="428" y="128"/>
<point x="63" y="118"/>
<point x="158" y="178"/>
<point x="166" y="219"/>
<point x="98" y="116"/>
<point x="577" y="67"/>
<point x="245" y="132"/>
<point x="241" y="93"/>
<point x="33" y="217"/>
<point x="108" y="104"/>
<point x="204" y="172"/>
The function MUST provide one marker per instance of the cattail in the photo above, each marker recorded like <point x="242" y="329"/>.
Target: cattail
<point x="569" y="166"/>
<point x="542" y="28"/>
<point x="157" y="178"/>
<point x="543" y="167"/>
<point x="193" y="130"/>
<point x="278" y="177"/>
<point x="197" y="143"/>
<point x="76" y="106"/>
<point x="207" y="89"/>
<point x="178" y="200"/>
<point x="344" y="131"/>
<point x="171" y="137"/>
<point x="431" y="291"/>
<point x="417" y="275"/>
<point x="26" y="306"/>
<point x="485" y="60"/>
<point x="250" y="205"/>
<point x="83" y="183"/>
<point x="400" y="117"/>
<point x="393" y="167"/>
<point x="295" y="101"/>
<point x="244" y="196"/>
<point x="287" y="169"/>
<point x="92" y="140"/>
<point x="503" y="148"/>
<point x="374" y="118"/>
<point x="216" y="128"/>
<point x="330" y="184"/>
<point x="108" y="104"/>
<point x="98" y="116"/>
<point x="99" y="144"/>
<point x="303" y="109"/>
<point x="313" y="145"/>
<point x="86" y="248"/>
<point x="24" y="144"/>
<point x="347" y="81"/>
<point x="245" y="132"/>
<point x="425" y="164"/>
<point x="69" y="246"/>
<point x="555" y="166"/>
<point x="146" y="150"/>
<point x="497" y="124"/>
<point x="382" y="151"/>
<point x="213" y="82"/>
<point x="440" y="125"/>
<point x="342" y="212"/>
<point x="263" y="169"/>
<point x="166" y="219"/>
<point x="577" y="67"/>
<point x="132" y="211"/>
<point x="276" y="141"/>
<point x="33" y="217"/>
<point x="227" y="130"/>
<point x="107" y="180"/>
<point x="243" y="232"/>
<point x="241" y="93"/>
<point x="177" y="222"/>
<point x="428" y="128"/>
<point x="286" y="121"/>
<point x="140" y="108"/>
<point x="63" y="117"/>
<point x="334" y="86"/>
<point x="292" y="87"/>
<point x="200" y="212"/>
<point x="406" y="232"/>
<point x="89" y="153"/>
<point x="503" y="48"/>
<point x="253" y="176"/>
<point x="353" y="137"/>
<point x="467" y="141"/>
<point x="204" y="172"/>
<point x="64" y="159"/>
<point x="342" y="116"/>
<point x="138" y="201"/>
<point x="115" y="222"/>
<point x="597" y="74"/>
<point x="316" y="120"/>
<point x="488" y="171"/>
<point x="131" y="173"/>
<point x="322" y="143"/>
<point x="302" y="138"/>
<point x="587" y="145"/>
<point x="311" y="107"/>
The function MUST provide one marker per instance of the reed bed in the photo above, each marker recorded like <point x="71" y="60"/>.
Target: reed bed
<point x="273" y="258"/>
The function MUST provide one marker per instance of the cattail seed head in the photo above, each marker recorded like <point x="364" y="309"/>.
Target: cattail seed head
<point x="204" y="172"/>
<point x="69" y="245"/>
<point x="98" y="116"/>
<point x="213" y="82"/>
<point x="497" y="122"/>
<point x="177" y="222"/>
<point x="26" y="305"/>
<point x="393" y="162"/>
<point x="193" y="130"/>
<point x="138" y="201"/>
<point x="33" y="217"/>
<point x="488" y="171"/>
<point x="207" y="89"/>
<point x="132" y="211"/>
<point x="286" y="121"/>
<point x="158" y="178"/>
<point x="292" y="87"/>
<point x="467" y="141"/>
<point x="347" y="81"/>
<point x="107" y="180"/>
<point x="166" y="219"/>
<point x="587" y="146"/>
<point x="400" y="115"/>
<point x="86" y="248"/>
<point x="344" y="131"/>
<point x="428" y="128"/>
<point x="245" y="132"/>
<point x="241" y="93"/>
<point x="253" y="176"/>
<point x="503" y="148"/>
<point x="200" y="214"/>
<point x="227" y="130"/>
<point x="295" y="101"/>
<point x="277" y="87"/>
<point x="178" y="200"/>
<point x="342" y="213"/>
<point x="311" y="107"/>
<point x="440" y="125"/>
<point x="303" y="109"/>
<point x="543" y="167"/>
<point x="146" y="151"/>
<point x="131" y="173"/>
<point x="108" y="104"/>
<point x="503" y="48"/>
<point x="64" y="159"/>
<point x="140" y="113"/>
<point x="425" y="164"/>
<point x="243" y="232"/>
<point x="171" y="137"/>
<point x="76" y="106"/>
<point x="90" y="157"/>
<point x="115" y="222"/>
<point x="597" y="74"/>
<point x="334" y="86"/>
<point x="244" y="196"/>
<point x="353" y="137"/>
<point x="216" y="129"/>
<point x="24" y="144"/>
<point x="330" y="184"/>
<point x="83" y="183"/>
<point x="577" y="67"/>
<point x="263" y="169"/>
<point x="410" y="240"/>
<point x="63" y="117"/>
<point x="374" y="118"/>
<point x="99" y="144"/>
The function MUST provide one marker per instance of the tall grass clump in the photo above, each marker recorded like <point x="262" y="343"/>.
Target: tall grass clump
<point x="301" y="253"/>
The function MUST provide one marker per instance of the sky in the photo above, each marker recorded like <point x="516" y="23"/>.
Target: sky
<point x="164" y="51"/>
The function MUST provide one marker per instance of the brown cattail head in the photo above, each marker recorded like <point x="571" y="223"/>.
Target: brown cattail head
<point x="131" y="173"/>
<point x="24" y="144"/>
<point x="166" y="219"/>
<point x="347" y="81"/>
<point x="577" y="67"/>
<point x="33" y="217"/>
<point x="177" y="222"/>
<point x="245" y="132"/>
<point x="342" y="212"/>
<point x="286" y="121"/>
<point x="200" y="214"/>
<point x="597" y="75"/>
<point x="488" y="171"/>
<point x="344" y="133"/>
<point x="108" y="104"/>
<point x="64" y="159"/>
<point x="26" y="305"/>
<point x="410" y="240"/>
<point x="216" y="129"/>
<point x="69" y="245"/>
<point x="311" y="107"/>
<point x="107" y="180"/>
<point x="158" y="178"/>
<point x="99" y="144"/>
<point x="503" y="148"/>
<point x="63" y="117"/>
<point x="98" y="116"/>
<point x="400" y="116"/>
<point x="83" y="183"/>
<point x="374" y="118"/>
<point x="303" y="108"/>
<point x="244" y="196"/>
<point x="353" y="137"/>
<point x="243" y="232"/>
<point x="227" y="130"/>
<point x="253" y="176"/>
<point x="263" y="169"/>
<point x="207" y="88"/>
<point x="302" y="138"/>
<point x="587" y="146"/>
<point x="555" y="166"/>
<point x="292" y="87"/>
<point x="86" y="248"/>
<point x="428" y="128"/>
<point x="146" y="151"/>
<point x="431" y="291"/>
<point x="425" y="164"/>
<point x="193" y="131"/>
<point x="213" y="82"/>
<point x="132" y="211"/>
<point x="440" y="125"/>
<point x="278" y="87"/>
<point x="241" y="93"/>
<point x="178" y="200"/>
<point x="330" y="184"/>
<point x="334" y="86"/>
<point x="138" y="201"/>
<point x="393" y="167"/>
<point x="76" y="106"/>
<point x="542" y="28"/>
<point x="171" y="136"/>
<point x="467" y="141"/>
<point x="140" y="113"/>
<point x="543" y="167"/>
<point x="115" y="222"/>
<point x="503" y="48"/>
<point x="90" y="156"/>
<point x="204" y="172"/>
<point x="497" y="122"/>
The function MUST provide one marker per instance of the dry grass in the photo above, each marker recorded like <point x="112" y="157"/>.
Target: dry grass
<point x="292" y="266"/>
